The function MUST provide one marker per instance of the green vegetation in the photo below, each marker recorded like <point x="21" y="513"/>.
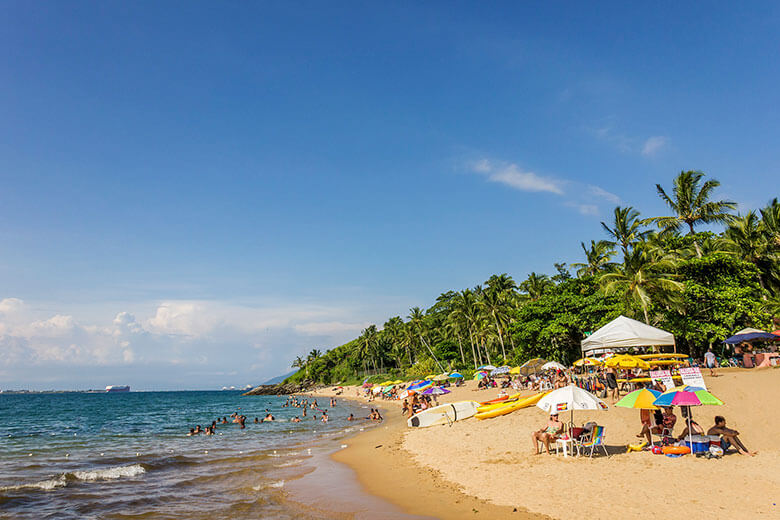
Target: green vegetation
<point x="701" y="286"/>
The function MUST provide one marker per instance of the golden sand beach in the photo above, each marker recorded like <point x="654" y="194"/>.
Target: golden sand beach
<point x="488" y="469"/>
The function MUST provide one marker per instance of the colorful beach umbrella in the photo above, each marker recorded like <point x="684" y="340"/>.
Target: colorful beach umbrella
<point x="626" y="361"/>
<point x="441" y="377"/>
<point x="515" y="370"/>
<point x="587" y="362"/>
<point x="687" y="396"/>
<point x="487" y="367"/>
<point x="456" y="375"/>
<point x="435" y="390"/>
<point x="642" y="399"/>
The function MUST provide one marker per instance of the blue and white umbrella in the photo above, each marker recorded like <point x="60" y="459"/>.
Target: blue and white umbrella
<point x="500" y="370"/>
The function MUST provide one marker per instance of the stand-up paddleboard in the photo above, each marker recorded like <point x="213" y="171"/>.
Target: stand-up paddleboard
<point x="443" y="414"/>
<point x="511" y="407"/>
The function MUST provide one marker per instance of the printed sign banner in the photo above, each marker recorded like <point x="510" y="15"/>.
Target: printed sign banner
<point x="664" y="376"/>
<point x="561" y="407"/>
<point x="691" y="376"/>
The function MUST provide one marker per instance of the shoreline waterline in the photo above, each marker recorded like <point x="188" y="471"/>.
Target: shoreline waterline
<point x="385" y="470"/>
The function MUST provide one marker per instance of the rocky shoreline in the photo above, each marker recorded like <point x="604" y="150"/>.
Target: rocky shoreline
<point x="282" y="389"/>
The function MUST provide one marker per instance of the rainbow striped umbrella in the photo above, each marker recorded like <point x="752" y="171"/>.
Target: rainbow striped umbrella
<point x="687" y="396"/>
<point x="641" y="399"/>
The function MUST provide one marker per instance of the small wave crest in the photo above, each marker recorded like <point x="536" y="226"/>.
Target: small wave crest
<point x="292" y="462"/>
<point x="269" y="485"/>
<point x="63" y="480"/>
<point x="110" y="473"/>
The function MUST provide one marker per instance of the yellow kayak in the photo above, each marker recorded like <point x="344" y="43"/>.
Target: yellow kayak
<point x="493" y="406"/>
<point x="661" y="356"/>
<point x="511" y="407"/>
<point x="660" y="362"/>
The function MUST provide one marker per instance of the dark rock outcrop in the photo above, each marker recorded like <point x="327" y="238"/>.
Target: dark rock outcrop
<point x="282" y="389"/>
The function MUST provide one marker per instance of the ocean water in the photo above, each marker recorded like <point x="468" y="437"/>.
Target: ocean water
<point x="127" y="456"/>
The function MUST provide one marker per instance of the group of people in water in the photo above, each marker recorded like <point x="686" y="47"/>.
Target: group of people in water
<point x="308" y="407"/>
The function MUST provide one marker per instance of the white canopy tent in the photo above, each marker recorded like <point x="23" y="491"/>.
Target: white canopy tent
<point x="622" y="333"/>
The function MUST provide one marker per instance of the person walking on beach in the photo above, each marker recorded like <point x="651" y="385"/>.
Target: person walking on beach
<point x="612" y="383"/>
<point x="710" y="361"/>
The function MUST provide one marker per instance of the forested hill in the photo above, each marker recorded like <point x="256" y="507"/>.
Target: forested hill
<point x="664" y="270"/>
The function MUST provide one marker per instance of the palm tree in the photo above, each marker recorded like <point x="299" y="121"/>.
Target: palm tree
<point x="299" y="363"/>
<point x="466" y="313"/>
<point x="393" y="329"/>
<point x="494" y="306"/>
<point x="626" y="229"/>
<point x="641" y="280"/>
<point x="501" y="284"/>
<point x="691" y="204"/>
<point x="770" y="216"/>
<point x="368" y="341"/>
<point x="535" y="285"/>
<point x="746" y="238"/>
<point x="597" y="258"/>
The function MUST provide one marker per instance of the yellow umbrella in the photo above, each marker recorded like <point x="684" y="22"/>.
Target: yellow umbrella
<point x="626" y="361"/>
<point x="587" y="362"/>
<point x="397" y="382"/>
<point x="430" y="377"/>
<point x="515" y="370"/>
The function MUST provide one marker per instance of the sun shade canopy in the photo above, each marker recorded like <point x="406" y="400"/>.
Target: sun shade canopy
<point x="624" y="332"/>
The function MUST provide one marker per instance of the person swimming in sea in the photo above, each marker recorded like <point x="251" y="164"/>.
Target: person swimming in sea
<point x="351" y="417"/>
<point x="295" y="419"/>
<point x="325" y="416"/>
<point x="268" y="417"/>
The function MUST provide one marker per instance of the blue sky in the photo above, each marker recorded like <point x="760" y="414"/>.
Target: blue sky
<point x="192" y="195"/>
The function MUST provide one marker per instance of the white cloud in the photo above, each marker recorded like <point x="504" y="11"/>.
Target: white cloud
<point x="647" y="147"/>
<point x="653" y="145"/>
<point x="513" y="176"/>
<point x="604" y="194"/>
<point x="584" y="209"/>
<point x="178" y="334"/>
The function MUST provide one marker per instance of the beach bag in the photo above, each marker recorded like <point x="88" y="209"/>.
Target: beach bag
<point x="716" y="451"/>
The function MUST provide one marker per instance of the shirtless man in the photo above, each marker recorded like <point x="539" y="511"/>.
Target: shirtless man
<point x="729" y="436"/>
<point x="547" y="434"/>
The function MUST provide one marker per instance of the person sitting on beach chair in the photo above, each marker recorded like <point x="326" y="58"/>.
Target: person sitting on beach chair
<point x="728" y="436"/>
<point x="668" y="420"/>
<point x="548" y="434"/>
<point x="695" y="430"/>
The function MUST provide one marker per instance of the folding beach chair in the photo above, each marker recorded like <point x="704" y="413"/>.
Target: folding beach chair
<point x="596" y="439"/>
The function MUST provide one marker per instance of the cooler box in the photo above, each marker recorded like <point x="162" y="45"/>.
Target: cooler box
<point x="698" y="443"/>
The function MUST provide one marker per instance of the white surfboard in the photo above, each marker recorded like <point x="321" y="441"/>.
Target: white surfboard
<point x="443" y="414"/>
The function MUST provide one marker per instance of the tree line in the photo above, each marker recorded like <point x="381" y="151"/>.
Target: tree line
<point x="664" y="270"/>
